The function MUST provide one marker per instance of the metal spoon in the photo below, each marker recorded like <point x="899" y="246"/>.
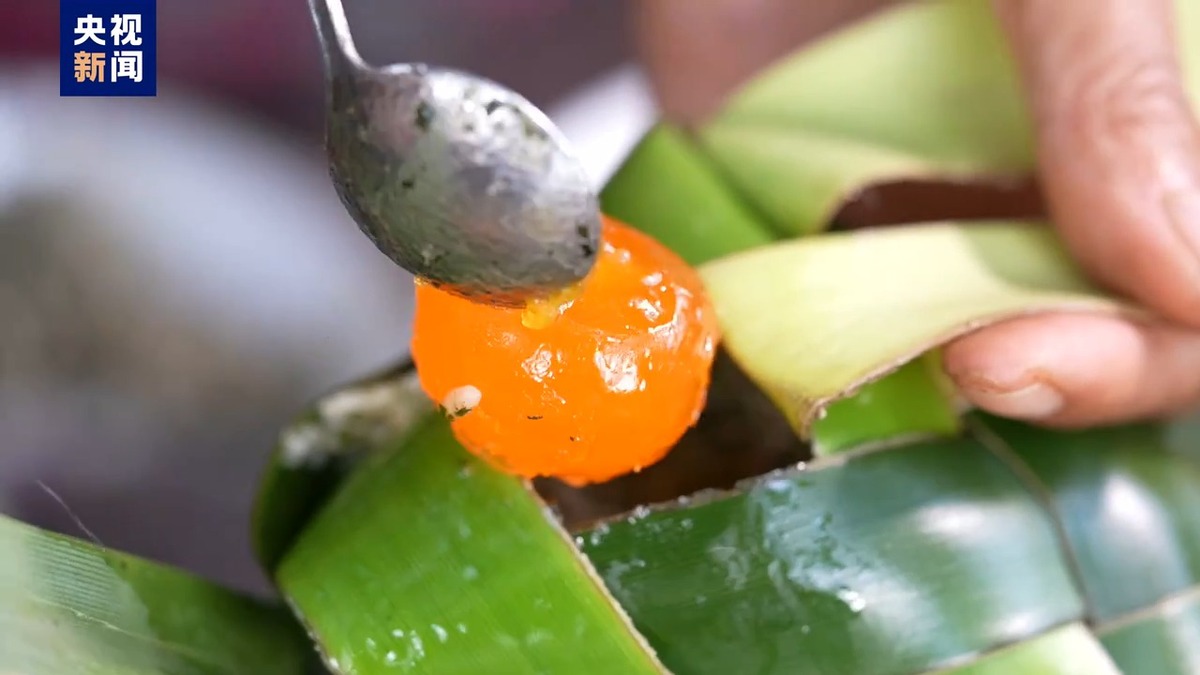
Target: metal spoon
<point x="457" y="179"/>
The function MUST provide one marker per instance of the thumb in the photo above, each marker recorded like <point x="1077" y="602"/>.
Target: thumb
<point x="1118" y="144"/>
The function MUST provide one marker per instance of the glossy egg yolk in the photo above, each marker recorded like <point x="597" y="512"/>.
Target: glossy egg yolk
<point x="584" y="387"/>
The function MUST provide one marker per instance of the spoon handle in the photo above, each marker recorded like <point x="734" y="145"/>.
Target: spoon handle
<point x="337" y="44"/>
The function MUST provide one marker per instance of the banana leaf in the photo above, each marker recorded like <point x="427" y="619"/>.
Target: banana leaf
<point x="68" y="606"/>
<point x="904" y="537"/>
<point x="420" y="559"/>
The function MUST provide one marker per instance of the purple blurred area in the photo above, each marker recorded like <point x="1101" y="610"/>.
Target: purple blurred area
<point x="262" y="53"/>
<point x="177" y="277"/>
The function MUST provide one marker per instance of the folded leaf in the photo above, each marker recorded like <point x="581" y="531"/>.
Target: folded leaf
<point x="931" y="79"/>
<point x="799" y="178"/>
<point x="925" y="90"/>
<point x="812" y="320"/>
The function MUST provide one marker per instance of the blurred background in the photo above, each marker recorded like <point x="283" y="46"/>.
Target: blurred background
<point x="177" y="277"/>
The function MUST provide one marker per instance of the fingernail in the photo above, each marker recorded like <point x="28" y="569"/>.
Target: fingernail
<point x="1032" y="402"/>
<point x="1183" y="208"/>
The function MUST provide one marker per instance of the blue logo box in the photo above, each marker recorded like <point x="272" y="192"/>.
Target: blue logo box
<point x="108" y="48"/>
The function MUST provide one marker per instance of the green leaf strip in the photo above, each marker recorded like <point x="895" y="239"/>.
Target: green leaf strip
<point x="900" y="560"/>
<point x="428" y="560"/>
<point x="1069" y="650"/>
<point x="67" y="606"/>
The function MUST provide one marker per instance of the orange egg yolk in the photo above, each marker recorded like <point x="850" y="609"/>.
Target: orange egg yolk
<point x="596" y="382"/>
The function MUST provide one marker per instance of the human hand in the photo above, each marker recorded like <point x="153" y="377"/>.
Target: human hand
<point x="1119" y="161"/>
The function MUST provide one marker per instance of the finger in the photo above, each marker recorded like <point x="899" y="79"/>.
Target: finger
<point x="697" y="52"/>
<point x="1077" y="369"/>
<point x="1118" y="144"/>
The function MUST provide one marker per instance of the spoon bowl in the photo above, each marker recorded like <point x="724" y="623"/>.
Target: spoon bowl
<point x="456" y="178"/>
